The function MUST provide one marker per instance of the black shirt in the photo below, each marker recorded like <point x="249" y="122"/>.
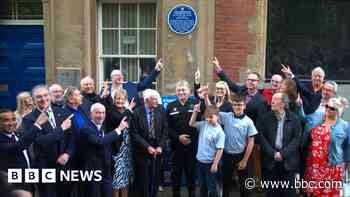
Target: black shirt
<point x="178" y="120"/>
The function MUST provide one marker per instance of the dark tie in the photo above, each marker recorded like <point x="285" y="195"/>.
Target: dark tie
<point x="151" y="125"/>
<point x="101" y="133"/>
<point x="13" y="138"/>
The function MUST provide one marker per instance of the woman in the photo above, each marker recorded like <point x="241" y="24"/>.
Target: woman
<point x="221" y="97"/>
<point x="289" y="87"/>
<point x="327" y="133"/>
<point x="123" y="170"/>
<point x="24" y="106"/>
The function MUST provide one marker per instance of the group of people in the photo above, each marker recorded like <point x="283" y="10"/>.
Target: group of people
<point x="285" y="129"/>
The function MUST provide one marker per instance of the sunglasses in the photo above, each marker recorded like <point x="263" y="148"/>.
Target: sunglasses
<point x="331" y="108"/>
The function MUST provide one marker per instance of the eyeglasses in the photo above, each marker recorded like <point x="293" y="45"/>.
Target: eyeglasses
<point x="252" y="80"/>
<point x="331" y="108"/>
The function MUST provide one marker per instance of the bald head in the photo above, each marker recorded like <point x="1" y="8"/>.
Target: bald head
<point x="117" y="77"/>
<point x="87" y="85"/>
<point x="56" y="92"/>
<point x="276" y="81"/>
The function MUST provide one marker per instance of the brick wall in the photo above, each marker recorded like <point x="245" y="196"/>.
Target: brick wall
<point x="234" y="40"/>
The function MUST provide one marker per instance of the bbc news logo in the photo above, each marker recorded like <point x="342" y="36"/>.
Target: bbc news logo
<point x="52" y="175"/>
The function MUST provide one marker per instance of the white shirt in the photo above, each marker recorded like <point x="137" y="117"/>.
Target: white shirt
<point x="322" y="107"/>
<point x="51" y="116"/>
<point x="99" y="126"/>
<point x="25" y="153"/>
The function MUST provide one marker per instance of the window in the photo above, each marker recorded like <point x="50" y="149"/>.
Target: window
<point x="307" y="34"/>
<point x="128" y="39"/>
<point x="21" y="10"/>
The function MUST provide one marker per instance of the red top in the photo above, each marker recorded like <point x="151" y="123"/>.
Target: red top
<point x="267" y="93"/>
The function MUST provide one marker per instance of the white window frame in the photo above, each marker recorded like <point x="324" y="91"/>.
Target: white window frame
<point x="15" y="21"/>
<point x="101" y="56"/>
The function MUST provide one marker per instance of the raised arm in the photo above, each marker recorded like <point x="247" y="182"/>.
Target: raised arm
<point x="147" y="82"/>
<point x="193" y="119"/>
<point x="305" y="91"/>
<point x="109" y="137"/>
<point x="220" y="72"/>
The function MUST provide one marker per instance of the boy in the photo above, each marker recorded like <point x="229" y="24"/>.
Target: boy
<point x="239" y="143"/>
<point x="210" y="148"/>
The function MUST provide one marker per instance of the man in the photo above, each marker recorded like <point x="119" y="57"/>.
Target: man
<point x="329" y="90"/>
<point x="311" y="93"/>
<point x="149" y="134"/>
<point x="276" y="81"/>
<point x="132" y="88"/>
<point x="56" y="94"/>
<point x="255" y="102"/>
<point x="280" y="135"/>
<point x="53" y="140"/>
<point x="13" y="150"/>
<point x="87" y="88"/>
<point x="96" y="152"/>
<point x="256" y="105"/>
<point x="184" y="139"/>
<point x="73" y="104"/>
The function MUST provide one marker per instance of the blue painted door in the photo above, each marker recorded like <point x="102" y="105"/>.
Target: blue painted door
<point x="22" y="64"/>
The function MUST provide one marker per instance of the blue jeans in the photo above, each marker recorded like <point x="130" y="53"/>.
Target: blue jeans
<point x="208" y="186"/>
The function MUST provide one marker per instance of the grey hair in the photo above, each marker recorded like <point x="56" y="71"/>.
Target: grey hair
<point x="116" y="71"/>
<point x="152" y="93"/>
<point x="340" y="103"/>
<point x="318" y="70"/>
<point x="277" y="75"/>
<point x="38" y="87"/>
<point x="118" y="92"/>
<point x="183" y="83"/>
<point x="85" y="79"/>
<point x="53" y="85"/>
<point x="96" y="106"/>
<point x="332" y="83"/>
<point x="284" y="97"/>
<point x="68" y="93"/>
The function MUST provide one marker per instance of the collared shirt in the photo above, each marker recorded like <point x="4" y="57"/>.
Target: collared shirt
<point x="78" y="117"/>
<point x="51" y="116"/>
<point x="99" y="127"/>
<point x="237" y="131"/>
<point x="211" y="138"/>
<point x="148" y="114"/>
<point x="249" y="97"/>
<point x="279" y="136"/>
<point x="322" y="107"/>
<point x="178" y="117"/>
<point x="25" y="153"/>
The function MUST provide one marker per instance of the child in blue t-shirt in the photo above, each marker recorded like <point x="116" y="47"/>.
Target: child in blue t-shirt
<point x="211" y="143"/>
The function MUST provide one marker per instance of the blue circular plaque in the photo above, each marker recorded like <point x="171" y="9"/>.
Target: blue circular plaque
<point x="182" y="19"/>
